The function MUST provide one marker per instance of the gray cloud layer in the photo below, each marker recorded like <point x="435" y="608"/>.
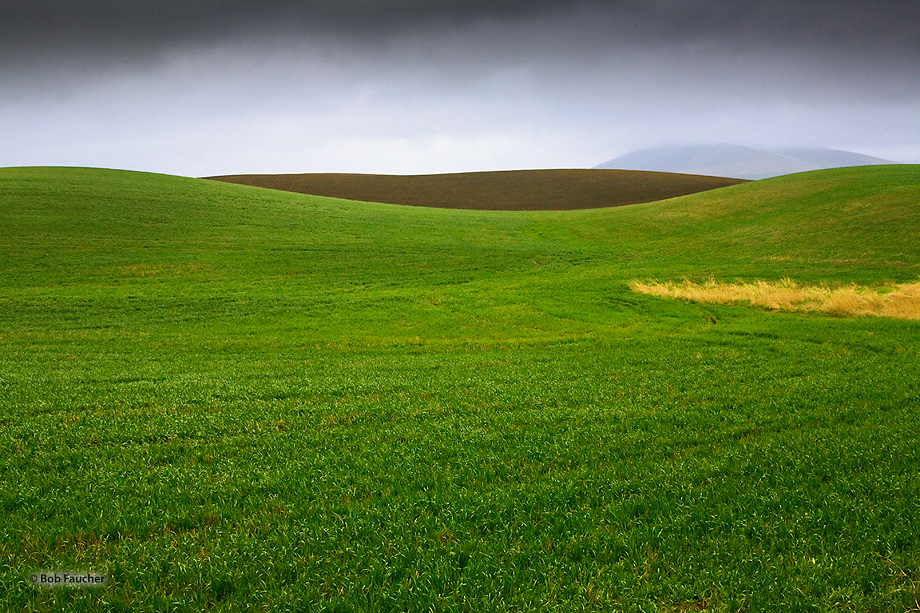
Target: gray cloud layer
<point x="104" y="30"/>
<point x="426" y="86"/>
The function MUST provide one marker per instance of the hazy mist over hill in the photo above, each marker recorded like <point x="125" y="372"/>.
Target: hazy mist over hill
<point x="406" y="86"/>
<point x="737" y="161"/>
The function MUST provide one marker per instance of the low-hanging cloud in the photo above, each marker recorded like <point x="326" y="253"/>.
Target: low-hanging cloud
<point x="413" y="86"/>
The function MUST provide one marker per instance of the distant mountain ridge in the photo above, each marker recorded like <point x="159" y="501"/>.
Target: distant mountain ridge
<point x="737" y="161"/>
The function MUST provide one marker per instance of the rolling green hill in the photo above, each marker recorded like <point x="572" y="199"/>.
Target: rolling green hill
<point x="232" y="398"/>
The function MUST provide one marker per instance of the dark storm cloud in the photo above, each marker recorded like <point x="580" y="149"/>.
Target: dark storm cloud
<point x="412" y="86"/>
<point x="113" y="31"/>
<point x="139" y="28"/>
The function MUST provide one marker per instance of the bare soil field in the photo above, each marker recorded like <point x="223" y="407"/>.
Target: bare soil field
<point x="513" y="190"/>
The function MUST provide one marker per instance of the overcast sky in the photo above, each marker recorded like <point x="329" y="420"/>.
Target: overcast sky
<point x="420" y="86"/>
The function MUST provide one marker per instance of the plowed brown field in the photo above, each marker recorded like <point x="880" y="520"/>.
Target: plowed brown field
<point x="511" y="190"/>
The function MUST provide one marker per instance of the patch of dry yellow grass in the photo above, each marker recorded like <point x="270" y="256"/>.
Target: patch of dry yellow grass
<point x="903" y="302"/>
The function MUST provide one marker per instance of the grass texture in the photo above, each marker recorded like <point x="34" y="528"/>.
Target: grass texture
<point x="900" y="302"/>
<point x="235" y="399"/>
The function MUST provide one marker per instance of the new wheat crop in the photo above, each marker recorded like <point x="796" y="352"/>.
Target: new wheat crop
<point x="222" y="398"/>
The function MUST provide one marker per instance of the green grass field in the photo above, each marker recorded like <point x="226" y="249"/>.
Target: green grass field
<point x="235" y="399"/>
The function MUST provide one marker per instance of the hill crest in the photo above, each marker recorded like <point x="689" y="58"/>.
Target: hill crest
<point x="511" y="190"/>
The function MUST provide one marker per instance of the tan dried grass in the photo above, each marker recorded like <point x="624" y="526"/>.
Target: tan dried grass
<point x="786" y="295"/>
